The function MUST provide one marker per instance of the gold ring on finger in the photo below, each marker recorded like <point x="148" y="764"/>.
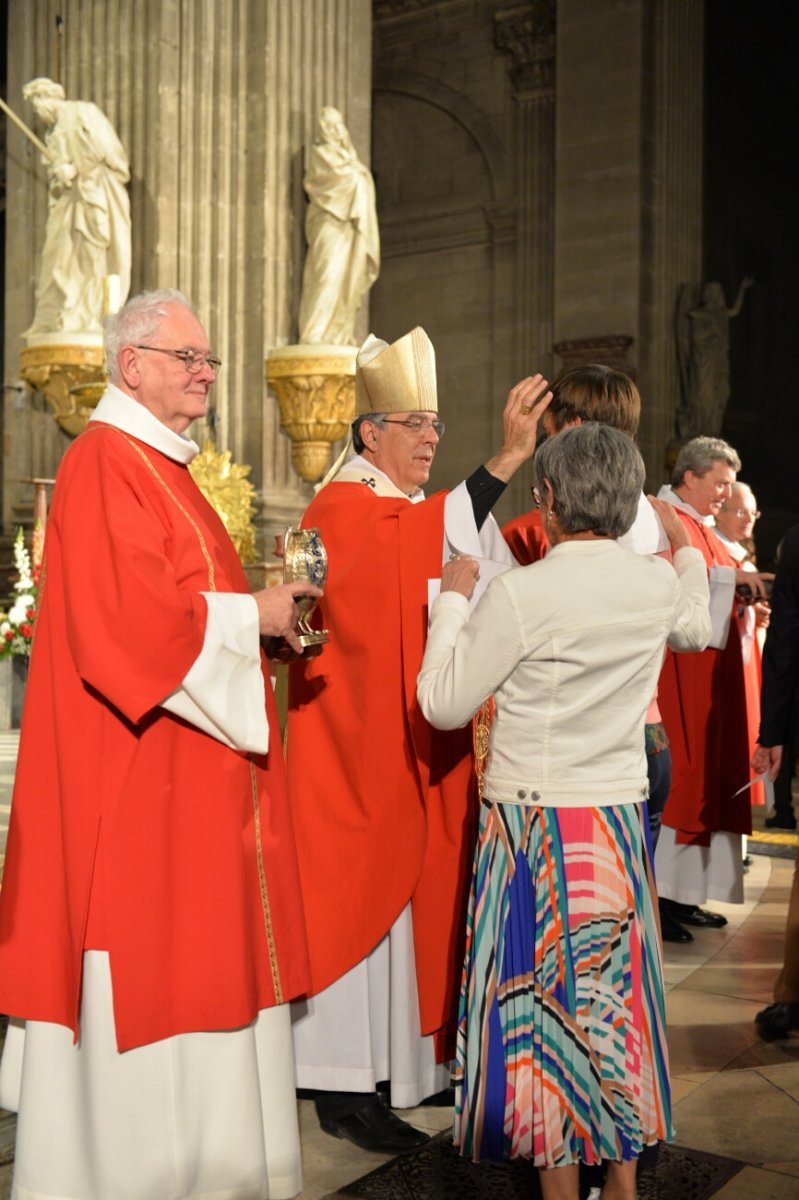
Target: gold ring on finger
<point x="527" y="409"/>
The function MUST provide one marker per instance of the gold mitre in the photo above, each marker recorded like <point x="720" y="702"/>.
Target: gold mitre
<point x="396" y="378"/>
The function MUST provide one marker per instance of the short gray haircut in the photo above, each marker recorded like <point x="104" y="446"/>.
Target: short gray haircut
<point x="378" y="419"/>
<point x="138" y="321"/>
<point x="596" y="474"/>
<point x="698" y="456"/>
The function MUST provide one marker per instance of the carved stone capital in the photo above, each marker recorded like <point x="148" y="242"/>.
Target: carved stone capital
<point x="72" y="378"/>
<point x="608" y="349"/>
<point x="527" y="34"/>
<point x="315" y="389"/>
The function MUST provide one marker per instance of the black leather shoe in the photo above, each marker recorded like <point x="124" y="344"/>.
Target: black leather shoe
<point x="777" y="1021"/>
<point x="671" y="930"/>
<point x="701" y="918"/>
<point x="781" y="821"/>
<point x="445" y="1099"/>
<point x="375" y="1127"/>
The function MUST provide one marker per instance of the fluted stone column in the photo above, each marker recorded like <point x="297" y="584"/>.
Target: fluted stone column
<point x="673" y="209"/>
<point x="629" y="187"/>
<point x="214" y="103"/>
<point x="526" y="33"/>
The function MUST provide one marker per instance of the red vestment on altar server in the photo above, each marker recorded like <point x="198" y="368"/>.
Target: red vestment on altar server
<point x="703" y="706"/>
<point x="131" y="831"/>
<point x="383" y="805"/>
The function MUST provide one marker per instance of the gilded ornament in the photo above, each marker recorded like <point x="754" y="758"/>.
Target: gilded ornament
<point x="228" y="490"/>
<point x="315" y="389"/>
<point x="71" y="376"/>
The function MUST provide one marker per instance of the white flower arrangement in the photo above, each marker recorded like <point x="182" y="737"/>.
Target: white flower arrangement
<point x="16" y="624"/>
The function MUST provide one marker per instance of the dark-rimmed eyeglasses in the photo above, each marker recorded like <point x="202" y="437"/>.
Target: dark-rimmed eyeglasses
<point x="192" y="361"/>
<point x="417" y="425"/>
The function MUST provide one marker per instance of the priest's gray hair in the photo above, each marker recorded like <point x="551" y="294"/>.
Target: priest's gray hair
<point x="698" y="456"/>
<point x="138" y="321"/>
<point x="596" y="474"/>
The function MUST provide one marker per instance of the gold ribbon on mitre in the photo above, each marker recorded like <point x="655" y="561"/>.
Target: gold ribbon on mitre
<point x="395" y="378"/>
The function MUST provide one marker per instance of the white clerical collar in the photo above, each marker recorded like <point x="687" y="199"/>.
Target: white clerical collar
<point x="359" y="470"/>
<point x="670" y="496"/>
<point x="119" y="409"/>
<point x="735" y="548"/>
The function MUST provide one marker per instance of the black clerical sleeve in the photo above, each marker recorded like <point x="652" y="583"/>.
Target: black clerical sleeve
<point x="781" y="651"/>
<point x="484" y="490"/>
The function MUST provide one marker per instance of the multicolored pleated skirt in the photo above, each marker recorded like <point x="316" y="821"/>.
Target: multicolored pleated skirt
<point x="561" y="1053"/>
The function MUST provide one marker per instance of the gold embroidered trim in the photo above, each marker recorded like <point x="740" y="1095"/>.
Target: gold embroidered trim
<point x="481" y="732"/>
<point x="270" y="937"/>
<point x="208" y="560"/>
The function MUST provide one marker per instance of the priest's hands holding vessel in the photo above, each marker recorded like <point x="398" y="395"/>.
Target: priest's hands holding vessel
<point x="279" y="612"/>
<point x="304" y="575"/>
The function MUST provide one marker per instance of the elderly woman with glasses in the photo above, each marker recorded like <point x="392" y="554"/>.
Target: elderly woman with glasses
<point x="561" y="1042"/>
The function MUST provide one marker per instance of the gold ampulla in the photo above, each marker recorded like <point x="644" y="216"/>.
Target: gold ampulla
<point x="305" y="560"/>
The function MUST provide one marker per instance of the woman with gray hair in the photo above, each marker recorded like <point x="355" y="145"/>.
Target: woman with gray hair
<point x="561" y="1054"/>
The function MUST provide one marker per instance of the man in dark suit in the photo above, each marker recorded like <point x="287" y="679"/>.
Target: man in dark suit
<point x="780" y="683"/>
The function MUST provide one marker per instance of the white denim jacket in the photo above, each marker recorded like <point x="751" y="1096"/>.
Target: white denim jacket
<point x="571" y="648"/>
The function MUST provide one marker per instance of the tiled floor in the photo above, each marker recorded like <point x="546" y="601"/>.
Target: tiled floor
<point x="735" y="1095"/>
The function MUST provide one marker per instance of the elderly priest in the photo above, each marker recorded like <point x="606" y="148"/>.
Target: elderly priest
<point x="151" y="925"/>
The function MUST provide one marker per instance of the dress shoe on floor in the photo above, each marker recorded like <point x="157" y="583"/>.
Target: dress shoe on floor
<point x="702" y="918"/>
<point x="671" y="930"/>
<point x="777" y="1021"/>
<point x="781" y="821"/>
<point x="445" y="1099"/>
<point x="375" y="1127"/>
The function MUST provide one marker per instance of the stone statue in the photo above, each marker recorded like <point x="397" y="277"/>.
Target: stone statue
<point x="88" y="220"/>
<point x="703" y="349"/>
<point x="343" y="258"/>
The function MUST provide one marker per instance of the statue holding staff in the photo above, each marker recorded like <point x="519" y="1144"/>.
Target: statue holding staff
<point x="88" y="222"/>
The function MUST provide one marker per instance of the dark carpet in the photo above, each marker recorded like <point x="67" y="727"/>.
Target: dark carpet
<point x="437" y="1172"/>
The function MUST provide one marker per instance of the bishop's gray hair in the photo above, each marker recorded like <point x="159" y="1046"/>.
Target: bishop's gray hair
<point x="698" y="456"/>
<point x="596" y="474"/>
<point x="378" y="419"/>
<point x="138" y="321"/>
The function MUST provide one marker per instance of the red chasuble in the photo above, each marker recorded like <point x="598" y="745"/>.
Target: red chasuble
<point x="131" y="831"/>
<point x="703" y="705"/>
<point x="526" y="537"/>
<point x="383" y="805"/>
